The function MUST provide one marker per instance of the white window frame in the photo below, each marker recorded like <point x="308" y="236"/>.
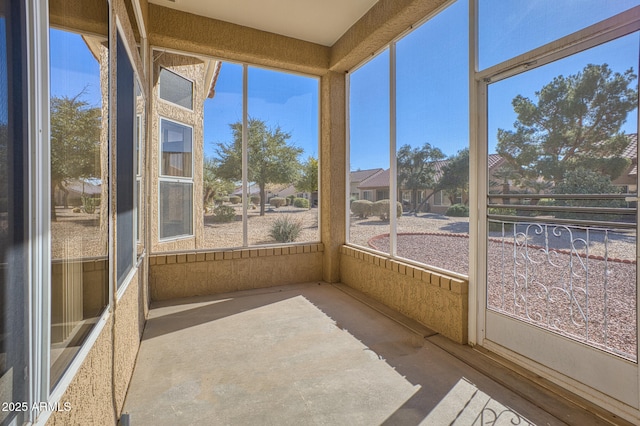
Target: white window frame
<point x="174" y="179"/>
<point x="39" y="292"/>
<point x="393" y="187"/>
<point x="138" y="190"/>
<point x="193" y="90"/>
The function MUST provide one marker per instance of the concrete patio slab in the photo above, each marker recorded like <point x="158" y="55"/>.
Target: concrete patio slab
<point x="307" y="354"/>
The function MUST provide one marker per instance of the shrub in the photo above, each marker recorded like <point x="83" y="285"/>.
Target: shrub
<point x="234" y="199"/>
<point x="301" y="202"/>
<point x="223" y="214"/>
<point x="457" y="210"/>
<point x="255" y="199"/>
<point x="88" y="204"/>
<point x="381" y="209"/>
<point x="285" y="229"/>
<point x="290" y="199"/>
<point x="497" y="226"/>
<point x="361" y="208"/>
<point x="276" y="202"/>
<point x="583" y="181"/>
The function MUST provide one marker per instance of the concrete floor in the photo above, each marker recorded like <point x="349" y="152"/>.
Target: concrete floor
<point x="313" y="354"/>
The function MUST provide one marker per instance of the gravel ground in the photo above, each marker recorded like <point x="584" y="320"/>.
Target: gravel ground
<point x="76" y="235"/>
<point x="221" y="235"/>
<point x="555" y="297"/>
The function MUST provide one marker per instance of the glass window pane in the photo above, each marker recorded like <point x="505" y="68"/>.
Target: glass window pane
<point x="511" y="28"/>
<point x="176" y="89"/>
<point x="369" y="152"/>
<point x="283" y="157"/>
<point x="176" y="209"/>
<point x="13" y="256"/>
<point x="432" y="141"/>
<point x="176" y="149"/>
<point x="222" y="186"/>
<point x="79" y="172"/>
<point x="125" y="152"/>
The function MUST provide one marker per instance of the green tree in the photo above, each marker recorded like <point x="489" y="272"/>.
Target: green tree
<point x="585" y="181"/>
<point x="308" y="179"/>
<point x="455" y="177"/>
<point x="75" y="143"/>
<point x="575" y="122"/>
<point x="505" y="175"/>
<point x="272" y="159"/>
<point x="416" y="170"/>
<point x="212" y="185"/>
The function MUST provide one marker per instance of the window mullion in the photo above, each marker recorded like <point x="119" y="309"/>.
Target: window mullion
<point x="245" y="154"/>
<point x="392" y="151"/>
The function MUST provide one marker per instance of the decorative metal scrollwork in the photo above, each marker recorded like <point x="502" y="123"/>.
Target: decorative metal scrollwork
<point x="560" y="278"/>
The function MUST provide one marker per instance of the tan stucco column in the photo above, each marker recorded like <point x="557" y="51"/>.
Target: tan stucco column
<point x="333" y="173"/>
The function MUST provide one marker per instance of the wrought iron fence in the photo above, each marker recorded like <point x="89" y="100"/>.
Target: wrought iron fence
<point x="574" y="277"/>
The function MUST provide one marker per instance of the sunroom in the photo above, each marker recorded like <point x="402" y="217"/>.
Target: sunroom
<point x="464" y="169"/>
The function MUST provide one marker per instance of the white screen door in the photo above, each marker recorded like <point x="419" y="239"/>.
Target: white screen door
<point x="560" y="241"/>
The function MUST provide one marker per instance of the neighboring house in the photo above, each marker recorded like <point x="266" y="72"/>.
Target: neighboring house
<point x="289" y="190"/>
<point x="628" y="180"/>
<point x="375" y="187"/>
<point x="282" y="191"/>
<point x="359" y="176"/>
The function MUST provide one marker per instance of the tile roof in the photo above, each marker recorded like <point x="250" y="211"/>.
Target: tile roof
<point x="494" y="160"/>
<point x="381" y="180"/>
<point x="361" y="175"/>
<point x="378" y="180"/>
<point x="631" y="151"/>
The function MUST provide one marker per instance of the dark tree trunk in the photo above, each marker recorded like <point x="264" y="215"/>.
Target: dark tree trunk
<point x="262" y="198"/>
<point x="506" y="189"/>
<point x="65" y="195"/>
<point x="54" y="217"/>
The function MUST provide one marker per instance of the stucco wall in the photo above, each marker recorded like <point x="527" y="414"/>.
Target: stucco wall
<point x="173" y="276"/>
<point x="333" y="171"/>
<point x="110" y="361"/>
<point x="89" y="393"/>
<point x="193" y="69"/>
<point x="433" y="299"/>
<point x="385" y="21"/>
<point x="191" y="33"/>
<point x="126" y="340"/>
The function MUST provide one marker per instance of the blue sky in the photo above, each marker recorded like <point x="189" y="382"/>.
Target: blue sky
<point x="280" y="99"/>
<point x="432" y="79"/>
<point x="73" y="68"/>
<point x="510" y="28"/>
<point x="432" y="73"/>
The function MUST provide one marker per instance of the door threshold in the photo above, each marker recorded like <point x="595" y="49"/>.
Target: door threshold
<point x="554" y="399"/>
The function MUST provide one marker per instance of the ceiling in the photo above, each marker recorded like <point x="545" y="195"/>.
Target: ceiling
<point x="317" y="21"/>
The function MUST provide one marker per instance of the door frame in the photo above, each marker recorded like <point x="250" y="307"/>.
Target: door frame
<point x="602" y="32"/>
